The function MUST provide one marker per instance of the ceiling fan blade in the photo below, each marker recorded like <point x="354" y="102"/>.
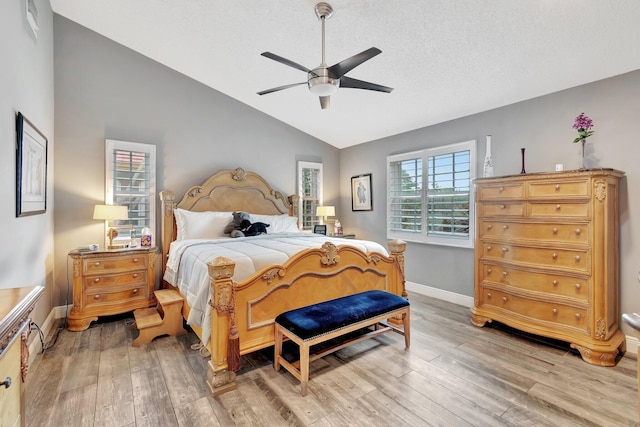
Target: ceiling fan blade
<point x="285" y="61"/>
<point x="325" y="102"/>
<point x="275" y="89"/>
<point x="343" y="67"/>
<point x="348" y="82"/>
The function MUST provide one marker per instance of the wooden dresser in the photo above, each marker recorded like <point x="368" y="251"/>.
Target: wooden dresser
<point x="110" y="282"/>
<point x="15" y="306"/>
<point x="546" y="258"/>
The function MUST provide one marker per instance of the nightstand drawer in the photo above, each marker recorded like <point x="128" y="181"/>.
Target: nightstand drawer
<point x="128" y="262"/>
<point x="120" y="296"/>
<point x="134" y="277"/>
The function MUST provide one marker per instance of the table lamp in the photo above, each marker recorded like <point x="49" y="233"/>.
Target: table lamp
<point x="111" y="213"/>
<point x="325" y="211"/>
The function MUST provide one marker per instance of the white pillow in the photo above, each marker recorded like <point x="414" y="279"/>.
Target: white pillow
<point x="277" y="223"/>
<point x="201" y="225"/>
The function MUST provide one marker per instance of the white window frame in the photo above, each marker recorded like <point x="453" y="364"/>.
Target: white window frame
<point x="317" y="198"/>
<point x="150" y="149"/>
<point x="422" y="236"/>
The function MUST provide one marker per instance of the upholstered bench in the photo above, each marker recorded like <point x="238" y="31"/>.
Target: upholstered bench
<point x="318" y="323"/>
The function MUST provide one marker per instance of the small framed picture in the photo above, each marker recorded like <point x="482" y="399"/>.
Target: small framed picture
<point x="320" y="229"/>
<point x="361" y="194"/>
<point x="31" y="169"/>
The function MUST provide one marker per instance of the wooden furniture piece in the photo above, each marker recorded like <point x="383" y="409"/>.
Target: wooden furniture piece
<point x="319" y="323"/>
<point x="110" y="282"/>
<point x="546" y="258"/>
<point x="15" y="306"/>
<point x="243" y="312"/>
<point x="165" y="319"/>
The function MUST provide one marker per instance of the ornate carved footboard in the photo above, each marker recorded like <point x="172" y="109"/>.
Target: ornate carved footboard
<point x="245" y="311"/>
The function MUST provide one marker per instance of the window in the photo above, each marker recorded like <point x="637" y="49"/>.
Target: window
<point x="310" y="192"/>
<point x="430" y="195"/>
<point x="130" y="180"/>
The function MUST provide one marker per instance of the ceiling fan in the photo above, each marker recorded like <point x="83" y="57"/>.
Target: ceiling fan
<point x="323" y="80"/>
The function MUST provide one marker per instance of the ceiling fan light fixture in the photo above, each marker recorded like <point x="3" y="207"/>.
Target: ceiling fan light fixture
<point x="323" y="86"/>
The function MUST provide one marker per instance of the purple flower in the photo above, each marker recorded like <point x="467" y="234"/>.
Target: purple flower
<point x="583" y="124"/>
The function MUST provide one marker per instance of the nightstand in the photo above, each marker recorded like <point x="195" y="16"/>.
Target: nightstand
<point x="111" y="282"/>
<point x="344" y="236"/>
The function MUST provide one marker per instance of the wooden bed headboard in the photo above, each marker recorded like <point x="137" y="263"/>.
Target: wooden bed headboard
<point x="225" y="191"/>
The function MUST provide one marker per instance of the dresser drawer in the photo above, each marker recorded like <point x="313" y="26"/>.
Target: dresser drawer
<point x="111" y="264"/>
<point x="540" y="209"/>
<point x="501" y="192"/>
<point x="535" y="310"/>
<point x="558" y="188"/>
<point x="105" y="280"/>
<point x="116" y="296"/>
<point x="502" y="209"/>
<point x="555" y="231"/>
<point x="568" y="259"/>
<point x="543" y="282"/>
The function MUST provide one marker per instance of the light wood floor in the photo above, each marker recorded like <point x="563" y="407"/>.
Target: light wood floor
<point x="454" y="375"/>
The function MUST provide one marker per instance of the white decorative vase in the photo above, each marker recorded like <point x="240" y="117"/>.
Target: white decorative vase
<point x="488" y="161"/>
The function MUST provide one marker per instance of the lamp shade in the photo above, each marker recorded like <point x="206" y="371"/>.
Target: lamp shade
<point x="110" y="212"/>
<point x="326" y="211"/>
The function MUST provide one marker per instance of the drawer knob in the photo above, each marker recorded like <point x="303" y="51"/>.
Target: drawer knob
<point x="505" y="227"/>
<point x="578" y="285"/>
<point x="6" y="383"/>
<point x="557" y="186"/>
<point x="555" y="283"/>
<point x="97" y="263"/>
<point x="134" y="260"/>
<point x="96" y="280"/>
<point x="501" y="189"/>
<point x="505" y="249"/>
<point x="554" y="255"/>
<point x="489" y="295"/>
<point x="577" y="257"/>
<point x="96" y="296"/>
<point x="488" y="248"/>
<point x="135" y="275"/>
<point x="555" y="230"/>
<point x="502" y="206"/>
<point x="135" y="291"/>
<point x="488" y="271"/>
<point x="554" y="311"/>
<point x="578" y="316"/>
<point x="489" y="227"/>
<point x="558" y="207"/>
<point x="504" y="299"/>
<point x="504" y="274"/>
<point x="578" y="231"/>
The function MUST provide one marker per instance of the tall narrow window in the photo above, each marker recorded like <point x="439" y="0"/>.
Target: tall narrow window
<point x="430" y="196"/>
<point x="310" y="192"/>
<point x="130" y="181"/>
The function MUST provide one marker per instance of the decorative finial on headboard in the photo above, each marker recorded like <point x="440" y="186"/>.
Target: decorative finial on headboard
<point x="239" y="174"/>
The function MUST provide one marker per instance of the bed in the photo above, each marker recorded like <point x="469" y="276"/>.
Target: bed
<point x="243" y="306"/>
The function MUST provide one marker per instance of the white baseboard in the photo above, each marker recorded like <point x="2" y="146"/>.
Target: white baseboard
<point x="632" y="342"/>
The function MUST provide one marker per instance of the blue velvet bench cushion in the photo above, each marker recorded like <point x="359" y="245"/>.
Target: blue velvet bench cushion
<point x="319" y="319"/>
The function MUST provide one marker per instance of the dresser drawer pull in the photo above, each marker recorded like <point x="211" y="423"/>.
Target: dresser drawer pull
<point x="505" y="249"/>
<point x="135" y="260"/>
<point x="96" y="296"/>
<point x="489" y="295"/>
<point x="578" y="316"/>
<point x="502" y="206"/>
<point x="554" y="255"/>
<point x="555" y="283"/>
<point x="578" y="231"/>
<point x="504" y="274"/>
<point x="488" y="271"/>
<point x="489" y="227"/>
<point x="134" y="275"/>
<point x="504" y="299"/>
<point x="96" y="280"/>
<point x="577" y="257"/>
<point x="555" y="230"/>
<point x="97" y="263"/>
<point x="557" y="186"/>
<point x="554" y="311"/>
<point x="578" y="285"/>
<point x="557" y="207"/>
<point x="505" y="227"/>
<point x="6" y="383"/>
<point x="488" y="248"/>
<point x="135" y="291"/>
<point x="501" y="189"/>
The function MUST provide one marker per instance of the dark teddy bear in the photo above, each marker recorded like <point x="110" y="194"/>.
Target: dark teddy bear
<point x="234" y="227"/>
<point x="254" y="229"/>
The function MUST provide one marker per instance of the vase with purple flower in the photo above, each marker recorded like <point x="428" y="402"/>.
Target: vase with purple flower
<point x="583" y="125"/>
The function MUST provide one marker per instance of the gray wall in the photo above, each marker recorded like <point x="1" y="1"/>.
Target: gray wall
<point x="106" y="91"/>
<point x="543" y="127"/>
<point x="26" y="86"/>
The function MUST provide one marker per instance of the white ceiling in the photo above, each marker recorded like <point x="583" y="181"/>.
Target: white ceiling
<point x="445" y="59"/>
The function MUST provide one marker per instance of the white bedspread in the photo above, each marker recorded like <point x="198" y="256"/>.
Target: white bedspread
<point x="187" y="263"/>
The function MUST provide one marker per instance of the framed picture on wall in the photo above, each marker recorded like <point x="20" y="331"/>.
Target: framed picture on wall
<point x="31" y="169"/>
<point x="361" y="194"/>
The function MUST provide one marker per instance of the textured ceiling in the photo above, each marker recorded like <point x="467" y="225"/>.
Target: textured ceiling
<point x="445" y="59"/>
